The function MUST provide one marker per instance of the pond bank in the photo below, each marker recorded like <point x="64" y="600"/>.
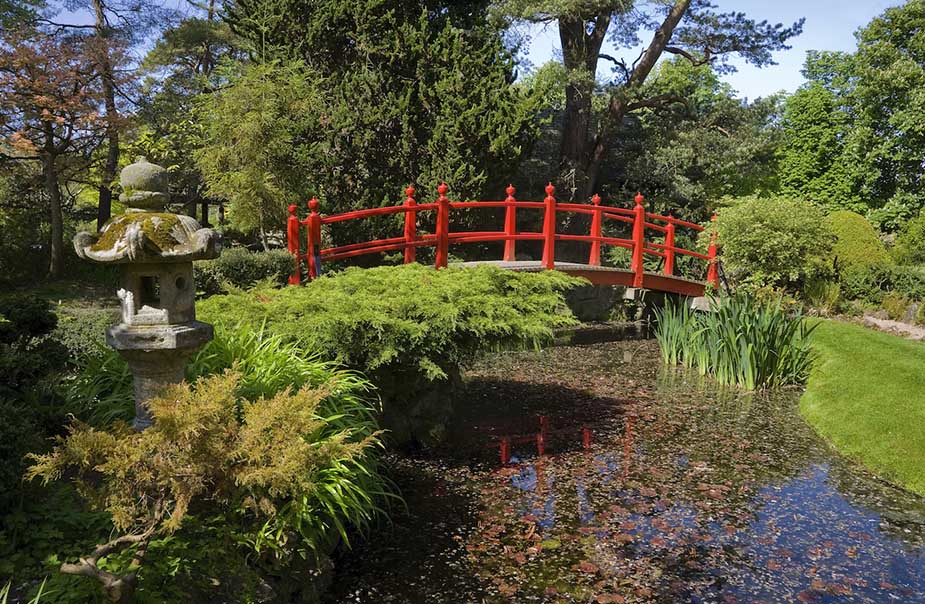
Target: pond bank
<point x="866" y="396"/>
<point x="687" y="494"/>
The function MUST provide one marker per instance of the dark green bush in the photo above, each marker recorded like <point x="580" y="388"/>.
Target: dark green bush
<point x="869" y="284"/>
<point x="774" y="242"/>
<point x="856" y="241"/>
<point x="408" y="328"/>
<point x="910" y="244"/>
<point x="240" y="268"/>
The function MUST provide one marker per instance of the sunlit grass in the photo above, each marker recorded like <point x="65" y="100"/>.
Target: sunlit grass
<point x="866" y="395"/>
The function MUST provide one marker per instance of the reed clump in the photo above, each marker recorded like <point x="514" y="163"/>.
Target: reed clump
<point x="744" y="341"/>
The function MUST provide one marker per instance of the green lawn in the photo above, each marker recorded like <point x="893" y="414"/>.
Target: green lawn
<point x="866" y="396"/>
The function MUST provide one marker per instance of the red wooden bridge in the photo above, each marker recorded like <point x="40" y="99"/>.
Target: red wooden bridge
<point x="659" y="229"/>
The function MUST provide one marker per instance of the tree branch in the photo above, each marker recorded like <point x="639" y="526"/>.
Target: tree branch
<point x="707" y="55"/>
<point x="656" y="102"/>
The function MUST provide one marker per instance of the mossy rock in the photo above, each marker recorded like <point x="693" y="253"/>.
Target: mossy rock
<point x="857" y="244"/>
<point x="159" y="228"/>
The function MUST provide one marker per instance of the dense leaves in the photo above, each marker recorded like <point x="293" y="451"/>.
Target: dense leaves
<point x="776" y="241"/>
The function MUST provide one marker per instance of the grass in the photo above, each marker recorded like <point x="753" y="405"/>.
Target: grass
<point x="866" y="396"/>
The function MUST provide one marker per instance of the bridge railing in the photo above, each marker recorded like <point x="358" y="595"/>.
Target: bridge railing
<point x="642" y="223"/>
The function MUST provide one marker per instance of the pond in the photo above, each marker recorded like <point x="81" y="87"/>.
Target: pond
<point x="687" y="493"/>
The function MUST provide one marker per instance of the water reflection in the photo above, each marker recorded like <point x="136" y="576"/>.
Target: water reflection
<point x="689" y="494"/>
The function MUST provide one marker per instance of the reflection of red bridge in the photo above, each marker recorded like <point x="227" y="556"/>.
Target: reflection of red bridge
<point x="642" y="223"/>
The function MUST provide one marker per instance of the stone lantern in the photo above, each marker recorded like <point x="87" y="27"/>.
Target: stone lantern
<point x="155" y="251"/>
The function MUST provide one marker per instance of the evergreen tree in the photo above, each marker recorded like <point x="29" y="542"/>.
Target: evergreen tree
<point x="416" y="92"/>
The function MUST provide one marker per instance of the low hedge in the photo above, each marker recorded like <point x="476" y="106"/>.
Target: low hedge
<point x="408" y="328"/>
<point x="239" y="268"/>
<point x="871" y="283"/>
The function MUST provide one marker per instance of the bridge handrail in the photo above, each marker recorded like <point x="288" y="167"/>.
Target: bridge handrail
<point x="638" y="217"/>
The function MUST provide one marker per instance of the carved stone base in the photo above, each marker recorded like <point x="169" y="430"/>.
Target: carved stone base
<point x="157" y="357"/>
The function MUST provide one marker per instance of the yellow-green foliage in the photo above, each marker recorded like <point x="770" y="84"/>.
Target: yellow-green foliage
<point x="856" y="243"/>
<point x="777" y="241"/>
<point x="895" y="305"/>
<point x="208" y="444"/>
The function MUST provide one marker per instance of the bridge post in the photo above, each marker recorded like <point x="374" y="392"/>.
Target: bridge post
<point x="594" y="258"/>
<point x="549" y="229"/>
<point x="510" y="225"/>
<point x="639" y="241"/>
<point x="292" y="236"/>
<point x="443" y="226"/>
<point x="411" y="217"/>
<point x="712" y="272"/>
<point x="669" y="249"/>
<point x="313" y="224"/>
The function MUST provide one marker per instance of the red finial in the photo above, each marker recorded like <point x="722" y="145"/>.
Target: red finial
<point x="410" y="191"/>
<point x="639" y="199"/>
<point x="550" y="189"/>
<point x="313" y="204"/>
<point x="292" y="209"/>
<point x="596" y="200"/>
<point x="442" y="189"/>
<point x="510" y="190"/>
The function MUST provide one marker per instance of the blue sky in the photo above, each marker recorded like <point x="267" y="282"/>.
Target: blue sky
<point x="830" y="25"/>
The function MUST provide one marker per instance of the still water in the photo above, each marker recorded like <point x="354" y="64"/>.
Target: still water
<point x="687" y="493"/>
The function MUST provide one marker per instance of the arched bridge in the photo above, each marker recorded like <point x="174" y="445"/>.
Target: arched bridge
<point x="653" y="235"/>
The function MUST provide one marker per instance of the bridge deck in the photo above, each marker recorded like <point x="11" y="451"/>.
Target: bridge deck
<point x="602" y="275"/>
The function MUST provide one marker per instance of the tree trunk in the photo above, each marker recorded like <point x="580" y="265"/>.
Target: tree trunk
<point x="56" y="217"/>
<point x="204" y="207"/>
<point x="104" y="210"/>
<point x="620" y="104"/>
<point x="580" y="51"/>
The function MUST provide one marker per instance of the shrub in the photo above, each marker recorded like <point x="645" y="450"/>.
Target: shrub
<point x="910" y="243"/>
<point x="240" y="268"/>
<point x="920" y="313"/>
<point x="777" y="241"/>
<point x="740" y="342"/>
<point x="407" y="328"/>
<point x="856" y="241"/>
<point x="895" y="305"/>
<point x="822" y="294"/>
<point x="285" y="469"/>
<point x="869" y="284"/>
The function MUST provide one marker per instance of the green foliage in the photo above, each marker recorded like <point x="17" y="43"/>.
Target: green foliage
<point x="822" y="294"/>
<point x="895" y="305"/>
<point x="409" y="320"/>
<point x="856" y="241"/>
<point x="920" y="313"/>
<point x="910" y="244"/>
<point x="253" y="126"/>
<point x="401" y="91"/>
<point x="812" y="163"/>
<point x="852" y="133"/>
<point x="776" y="241"/>
<point x="740" y="342"/>
<point x="240" y="268"/>
<point x="869" y="284"/>
<point x="5" y="593"/>
<point x="686" y="156"/>
<point x="291" y="472"/>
